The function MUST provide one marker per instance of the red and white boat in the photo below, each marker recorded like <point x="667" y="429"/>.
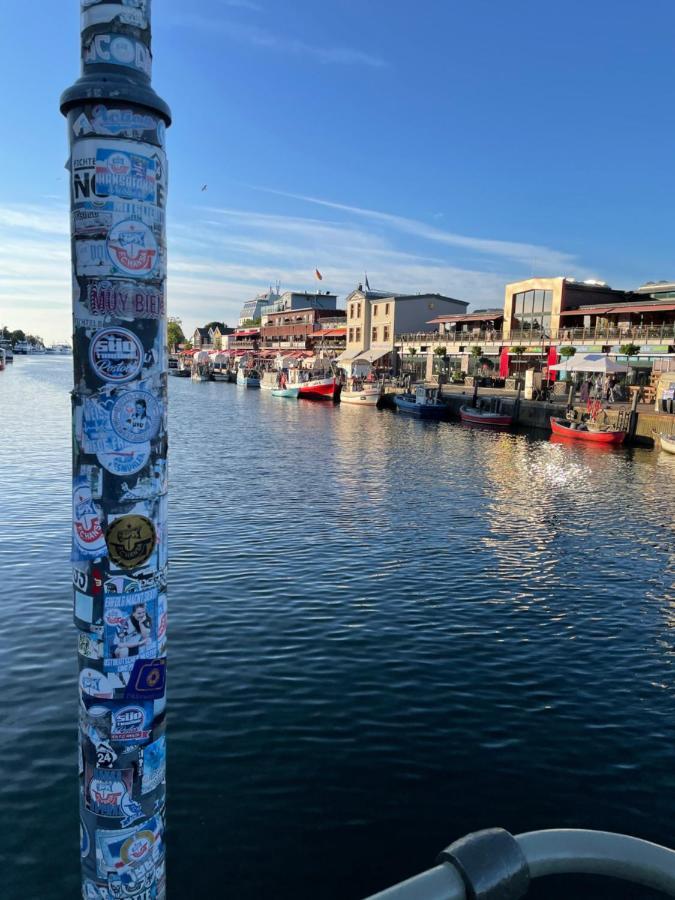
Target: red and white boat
<point x="579" y="431"/>
<point x="319" y="388"/>
<point x="475" y="416"/>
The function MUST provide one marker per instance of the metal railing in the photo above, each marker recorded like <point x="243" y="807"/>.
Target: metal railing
<point x="493" y="864"/>
<point x="664" y="334"/>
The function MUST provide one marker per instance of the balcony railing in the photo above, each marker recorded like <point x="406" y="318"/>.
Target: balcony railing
<point x="607" y="334"/>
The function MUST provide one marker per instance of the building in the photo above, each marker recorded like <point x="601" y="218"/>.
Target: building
<point x="201" y="339"/>
<point x="251" y="311"/>
<point x="217" y="334"/>
<point x="300" y="328"/>
<point x="295" y="301"/>
<point x="375" y="318"/>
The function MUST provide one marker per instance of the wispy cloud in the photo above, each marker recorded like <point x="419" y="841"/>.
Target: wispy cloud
<point x="243" y="4"/>
<point x="255" y="36"/>
<point x="530" y="254"/>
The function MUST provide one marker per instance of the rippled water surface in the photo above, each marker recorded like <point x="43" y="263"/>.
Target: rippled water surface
<point x="384" y="633"/>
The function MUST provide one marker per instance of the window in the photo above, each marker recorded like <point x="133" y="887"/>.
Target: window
<point x="351" y="335"/>
<point x="351" y="311"/>
<point x="357" y="334"/>
<point x="375" y="309"/>
<point x="386" y="309"/>
<point x="532" y="311"/>
<point x="385" y="333"/>
<point x="358" y="310"/>
<point x="374" y="335"/>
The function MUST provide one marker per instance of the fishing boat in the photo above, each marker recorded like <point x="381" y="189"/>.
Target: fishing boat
<point x="318" y="388"/>
<point x="21" y="348"/>
<point x="6" y="345"/>
<point x="424" y="403"/>
<point x="361" y="395"/>
<point x="667" y="441"/>
<point x="249" y="378"/>
<point x="475" y="415"/>
<point x="587" y="431"/>
<point x="269" y="380"/>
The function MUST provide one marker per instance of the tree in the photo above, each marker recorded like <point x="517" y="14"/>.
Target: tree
<point x="174" y="334"/>
<point x="251" y="323"/>
<point x="441" y="351"/>
<point x="629" y="350"/>
<point x="567" y="352"/>
<point x="18" y="335"/>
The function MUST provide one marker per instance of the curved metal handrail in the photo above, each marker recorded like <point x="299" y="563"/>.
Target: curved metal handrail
<point x="551" y="852"/>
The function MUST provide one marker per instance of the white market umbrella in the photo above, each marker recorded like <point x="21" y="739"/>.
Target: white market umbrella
<point x="590" y="362"/>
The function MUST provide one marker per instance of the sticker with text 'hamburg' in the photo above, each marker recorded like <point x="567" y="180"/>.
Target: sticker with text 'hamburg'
<point x="131" y="541"/>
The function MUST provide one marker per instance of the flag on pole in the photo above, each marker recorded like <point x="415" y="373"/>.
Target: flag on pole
<point x="318" y="274"/>
<point x="367" y="282"/>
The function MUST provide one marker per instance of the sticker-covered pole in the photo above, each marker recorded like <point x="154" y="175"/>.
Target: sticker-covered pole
<point x="118" y="179"/>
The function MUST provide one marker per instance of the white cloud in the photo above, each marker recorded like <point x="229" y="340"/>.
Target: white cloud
<point x="255" y="36"/>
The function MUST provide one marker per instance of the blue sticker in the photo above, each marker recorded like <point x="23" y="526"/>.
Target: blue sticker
<point x="135" y="417"/>
<point x="134" y="850"/>
<point x="154" y="765"/>
<point x="107" y="792"/>
<point x="127" y="461"/>
<point x="85" y="843"/>
<point x="147" y="680"/>
<point x="132" y="248"/>
<point x="130" y="176"/>
<point x="130" y="625"/>
<point x="116" y="355"/>
<point x="88" y="537"/>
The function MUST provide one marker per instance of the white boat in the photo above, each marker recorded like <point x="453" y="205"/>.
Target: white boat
<point x="2" y="359"/>
<point x="65" y="349"/>
<point x="368" y="395"/>
<point x="667" y="442"/>
<point x="249" y="378"/>
<point x="21" y="348"/>
<point x="7" y="347"/>
<point x="269" y="380"/>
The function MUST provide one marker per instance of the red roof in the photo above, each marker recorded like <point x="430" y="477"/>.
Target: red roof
<point x="489" y="315"/>
<point x="625" y="307"/>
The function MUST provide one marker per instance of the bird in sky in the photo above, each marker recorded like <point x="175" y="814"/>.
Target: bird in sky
<point x="204" y="187"/>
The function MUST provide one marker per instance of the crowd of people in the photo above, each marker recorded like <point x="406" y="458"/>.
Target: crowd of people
<point x="600" y="387"/>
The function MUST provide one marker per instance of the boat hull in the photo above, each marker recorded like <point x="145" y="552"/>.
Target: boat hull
<point x="668" y="443"/>
<point x="475" y="417"/>
<point x="291" y="392"/>
<point x="420" y="410"/>
<point x="368" y="397"/>
<point x="592" y="437"/>
<point x="246" y="381"/>
<point x="319" y="389"/>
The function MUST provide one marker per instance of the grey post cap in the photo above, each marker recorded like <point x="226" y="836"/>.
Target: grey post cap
<point x="113" y="88"/>
<point x="491" y="864"/>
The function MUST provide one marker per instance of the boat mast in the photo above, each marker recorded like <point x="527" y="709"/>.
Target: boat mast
<point x="118" y="182"/>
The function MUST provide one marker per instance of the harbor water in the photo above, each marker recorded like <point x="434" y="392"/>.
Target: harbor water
<point x="385" y="633"/>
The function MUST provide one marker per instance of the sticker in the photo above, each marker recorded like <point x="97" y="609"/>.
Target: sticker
<point x="106" y="790"/>
<point x="122" y="122"/>
<point x="116" y="355"/>
<point x="93" y="891"/>
<point x="93" y="427"/>
<point x="131" y="12"/>
<point x="124" y="299"/>
<point x="82" y="126"/>
<point x="91" y="222"/>
<point x="135" y="417"/>
<point x="88" y="645"/>
<point x="135" y="885"/>
<point x="96" y="684"/>
<point x="130" y="628"/>
<point x="105" y="755"/>
<point x="91" y="258"/>
<point x="118" y="851"/>
<point x="119" y="50"/>
<point x="80" y="579"/>
<point x="128" y="461"/>
<point x="84" y="607"/>
<point x="131" y="541"/>
<point x="126" y="175"/>
<point x="161" y="617"/>
<point x="148" y="680"/>
<point x="154" y="765"/>
<point x="132" y="723"/>
<point x="152" y="485"/>
<point x="85" y="842"/>
<point x="88" y="538"/>
<point x="132" y="248"/>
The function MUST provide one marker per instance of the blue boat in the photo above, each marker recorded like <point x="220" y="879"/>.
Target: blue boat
<point x="424" y="403"/>
<point x="286" y="392"/>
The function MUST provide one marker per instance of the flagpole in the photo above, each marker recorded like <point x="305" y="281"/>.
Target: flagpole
<point x="118" y="181"/>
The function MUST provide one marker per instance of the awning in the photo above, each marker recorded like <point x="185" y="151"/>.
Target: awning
<point x="329" y="332"/>
<point x="348" y="354"/>
<point x="589" y="362"/>
<point x="248" y="331"/>
<point x="371" y="355"/>
<point x="615" y="310"/>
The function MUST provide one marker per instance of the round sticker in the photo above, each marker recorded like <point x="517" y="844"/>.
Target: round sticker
<point x="128" y="461"/>
<point x="132" y="247"/>
<point x="116" y="354"/>
<point x="135" y="417"/>
<point x="87" y="527"/>
<point x="131" y="541"/>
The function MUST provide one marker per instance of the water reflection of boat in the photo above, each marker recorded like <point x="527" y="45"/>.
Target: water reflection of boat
<point x="595" y="434"/>
<point x="473" y="415"/>
<point x="424" y="403"/>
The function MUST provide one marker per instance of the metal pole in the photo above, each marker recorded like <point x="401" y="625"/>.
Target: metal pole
<point x="118" y="180"/>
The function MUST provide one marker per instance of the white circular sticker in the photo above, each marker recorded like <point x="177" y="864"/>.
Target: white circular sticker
<point x="116" y="355"/>
<point x="132" y="247"/>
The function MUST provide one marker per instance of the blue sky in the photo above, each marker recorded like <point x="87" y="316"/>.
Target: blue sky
<point x="439" y="145"/>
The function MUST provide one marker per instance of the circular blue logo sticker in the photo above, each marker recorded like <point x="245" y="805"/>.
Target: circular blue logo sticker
<point x="116" y="354"/>
<point x="135" y="417"/>
<point x="127" y="461"/>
